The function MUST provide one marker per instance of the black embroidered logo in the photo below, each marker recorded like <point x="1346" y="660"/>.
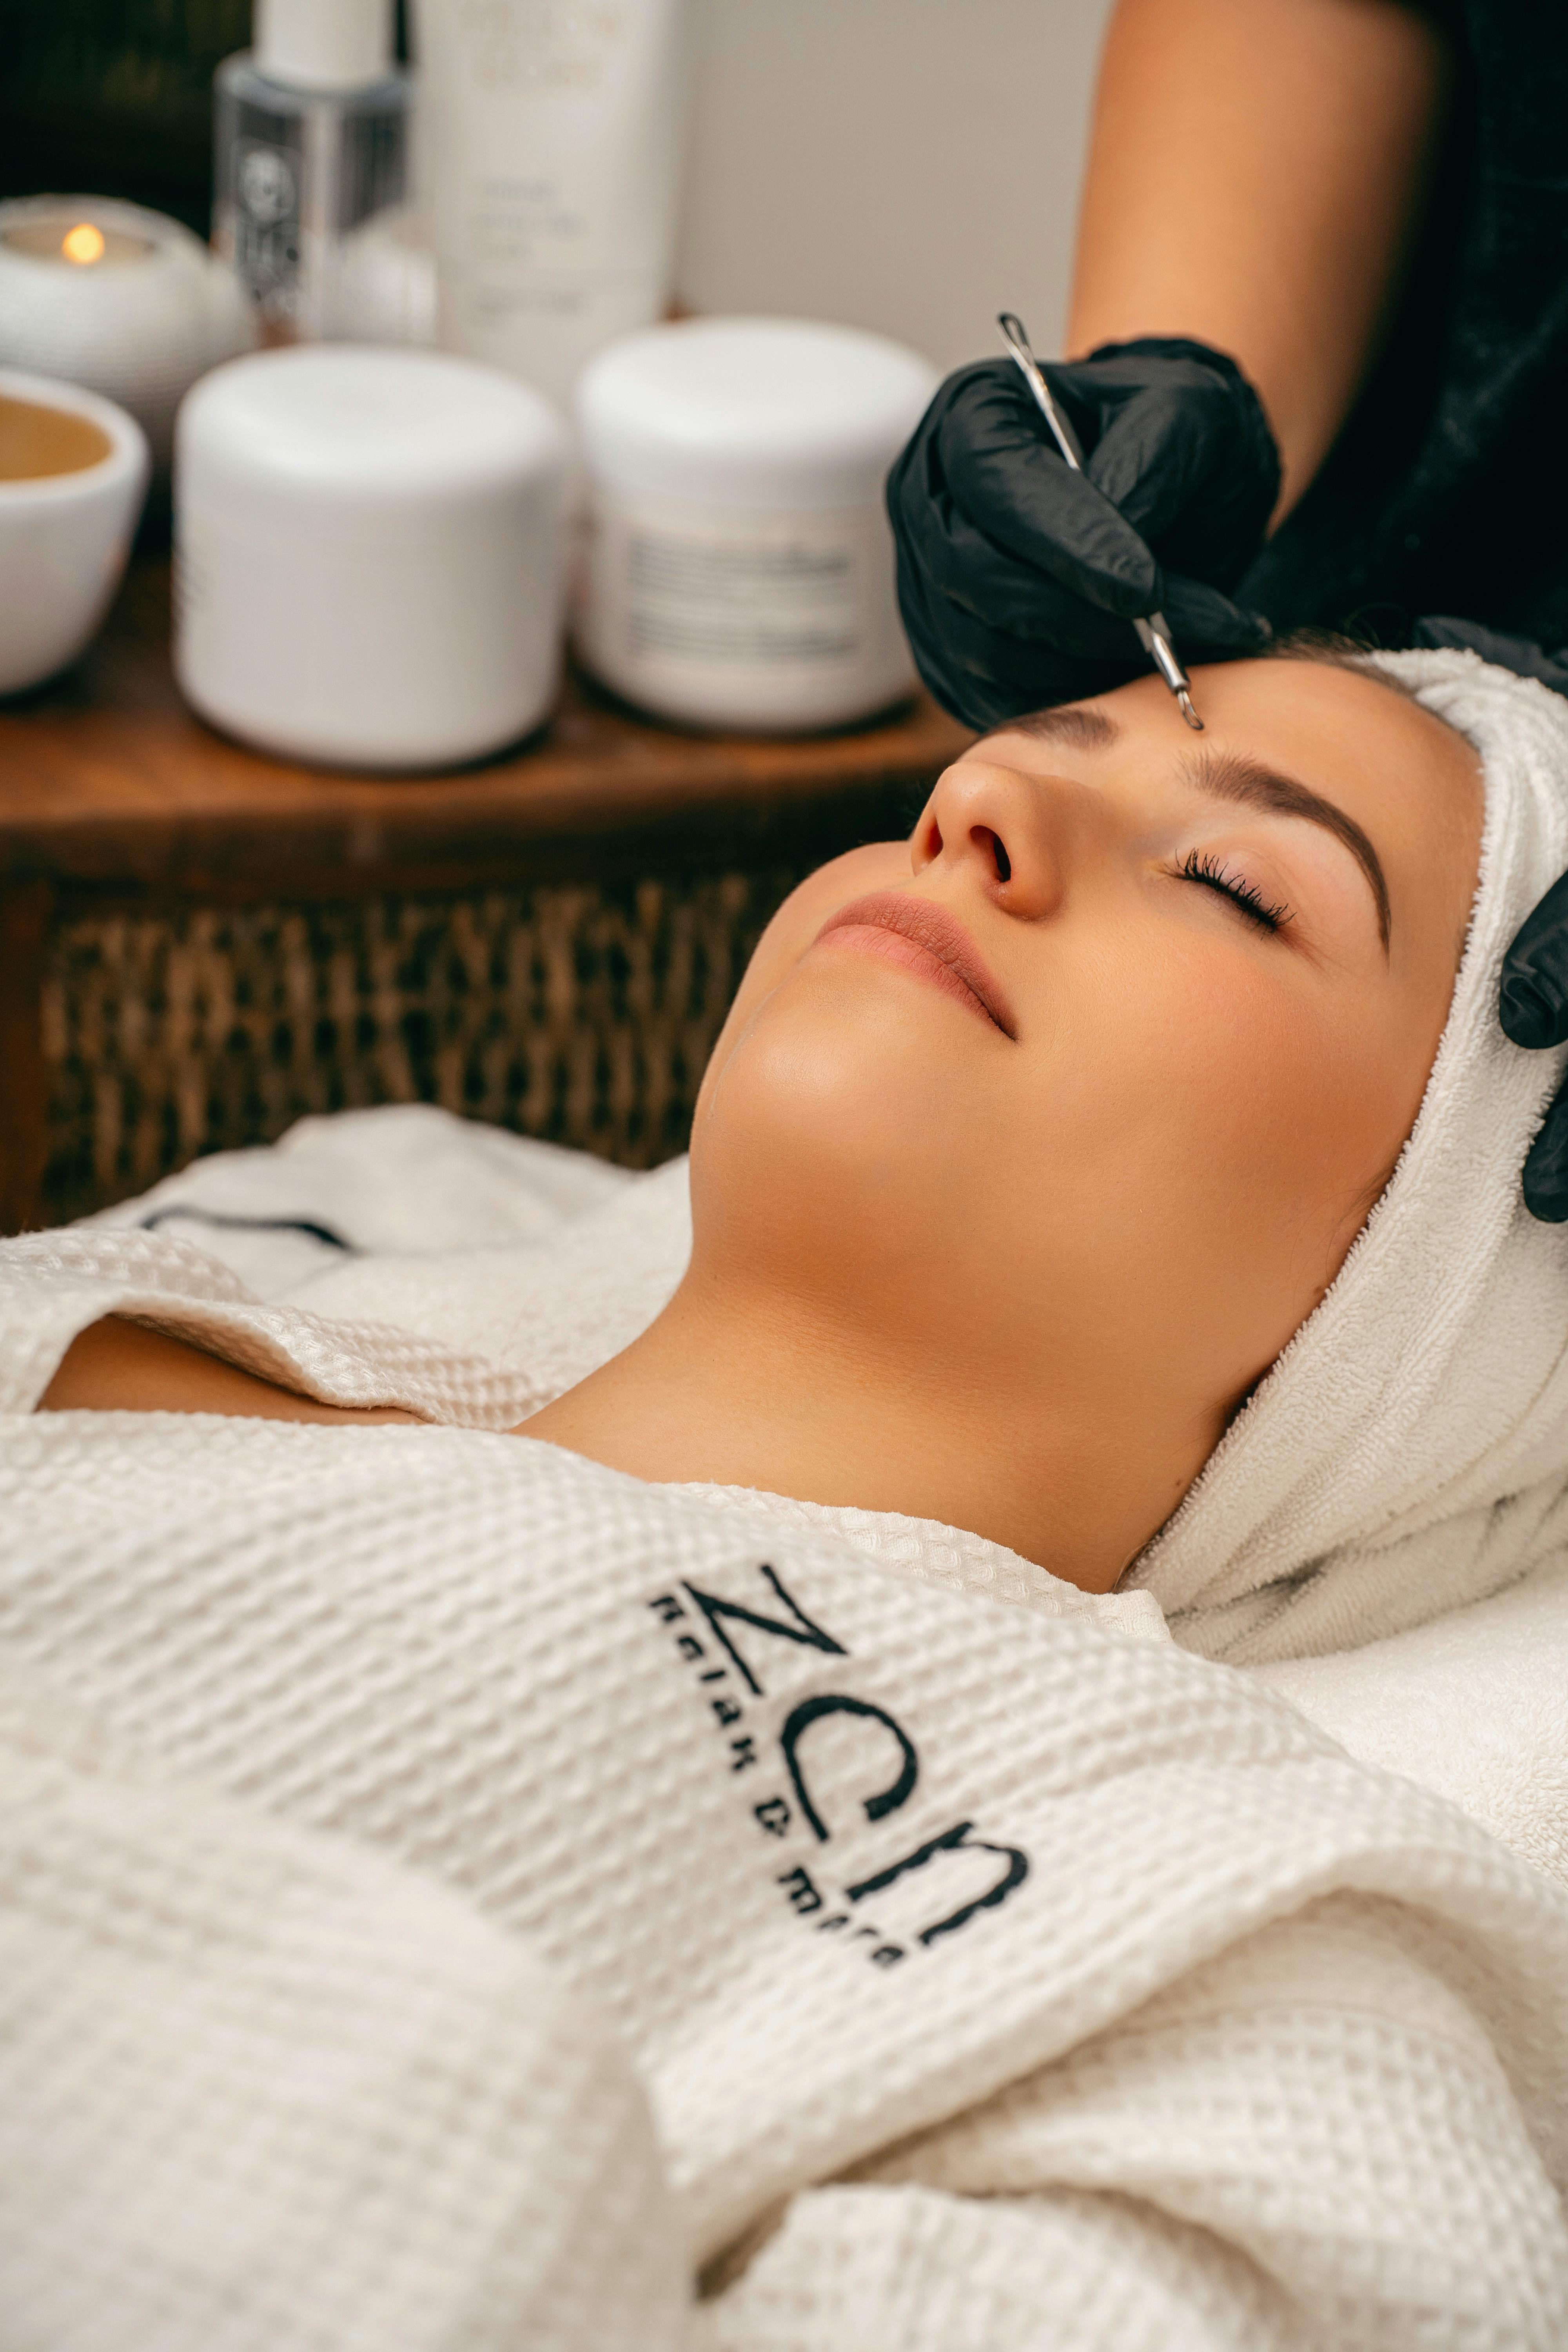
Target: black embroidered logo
<point x="738" y="1632"/>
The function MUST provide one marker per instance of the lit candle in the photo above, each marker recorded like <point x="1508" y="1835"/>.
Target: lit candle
<point x="84" y="246"/>
<point x="120" y="300"/>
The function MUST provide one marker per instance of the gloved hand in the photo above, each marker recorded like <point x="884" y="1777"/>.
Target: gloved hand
<point x="1534" y="994"/>
<point x="1019" y="580"/>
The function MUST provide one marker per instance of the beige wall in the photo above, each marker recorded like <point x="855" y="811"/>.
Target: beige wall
<point x="909" y="166"/>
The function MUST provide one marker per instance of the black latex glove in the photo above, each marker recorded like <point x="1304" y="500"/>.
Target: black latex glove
<point x="1535" y="994"/>
<point x="1019" y="580"/>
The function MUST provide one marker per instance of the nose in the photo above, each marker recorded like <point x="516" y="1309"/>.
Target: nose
<point x="1016" y="834"/>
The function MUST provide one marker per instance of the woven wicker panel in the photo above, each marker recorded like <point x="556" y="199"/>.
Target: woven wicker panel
<point x="584" y="1014"/>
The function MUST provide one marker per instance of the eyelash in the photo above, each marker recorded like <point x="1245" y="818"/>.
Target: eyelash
<point x="1200" y="866"/>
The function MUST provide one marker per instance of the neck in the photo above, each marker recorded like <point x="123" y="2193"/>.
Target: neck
<point x="744" y="1388"/>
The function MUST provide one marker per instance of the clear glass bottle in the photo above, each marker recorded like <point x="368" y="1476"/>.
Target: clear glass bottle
<point x="311" y="166"/>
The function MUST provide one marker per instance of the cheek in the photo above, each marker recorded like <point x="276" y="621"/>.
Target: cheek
<point x="1289" y="1112"/>
<point x="1218" y="1132"/>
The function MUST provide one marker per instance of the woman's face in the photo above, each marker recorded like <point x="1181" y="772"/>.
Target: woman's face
<point x="1086" y="1088"/>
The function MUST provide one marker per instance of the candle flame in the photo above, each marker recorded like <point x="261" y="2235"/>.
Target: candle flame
<point x="83" y="244"/>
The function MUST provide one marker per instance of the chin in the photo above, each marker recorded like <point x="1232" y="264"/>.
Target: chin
<point x="833" y="1134"/>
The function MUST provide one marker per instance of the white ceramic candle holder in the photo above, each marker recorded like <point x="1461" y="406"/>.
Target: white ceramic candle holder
<point x="122" y="301"/>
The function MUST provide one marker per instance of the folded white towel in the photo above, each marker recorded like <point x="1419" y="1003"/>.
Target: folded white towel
<point x="1409" y="1453"/>
<point x="545" y="1262"/>
<point x="406" y="1180"/>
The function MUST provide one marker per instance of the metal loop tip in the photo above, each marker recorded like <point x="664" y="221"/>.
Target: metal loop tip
<point x="1188" y="713"/>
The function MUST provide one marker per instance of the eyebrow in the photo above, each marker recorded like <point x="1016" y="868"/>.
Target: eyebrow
<point x="1069" y="722"/>
<point x="1233" y="776"/>
<point x="1229" y="776"/>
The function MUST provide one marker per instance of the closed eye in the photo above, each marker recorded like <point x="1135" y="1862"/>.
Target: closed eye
<point x="1202" y="867"/>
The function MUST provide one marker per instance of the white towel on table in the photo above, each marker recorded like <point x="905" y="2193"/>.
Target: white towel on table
<point x="1474" y="1704"/>
<point x="544" y="1262"/>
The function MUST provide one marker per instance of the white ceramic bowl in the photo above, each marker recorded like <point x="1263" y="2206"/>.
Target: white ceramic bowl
<point x="64" y="538"/>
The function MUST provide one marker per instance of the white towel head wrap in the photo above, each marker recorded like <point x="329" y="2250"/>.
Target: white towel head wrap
<point x="1409" y="1453"/>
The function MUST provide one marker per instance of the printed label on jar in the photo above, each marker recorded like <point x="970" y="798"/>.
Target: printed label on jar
<point x="266" y="174"/>
<point x="785" y="616"/>
<point x="765" y="602"/>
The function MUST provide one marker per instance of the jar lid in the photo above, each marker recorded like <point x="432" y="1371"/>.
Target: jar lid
<point x="340" y="433"/>
<point x="753" y="411"/>
<point x="322" y="44"/>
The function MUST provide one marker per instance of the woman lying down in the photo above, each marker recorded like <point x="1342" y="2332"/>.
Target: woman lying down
<point x="462" y="1887"/>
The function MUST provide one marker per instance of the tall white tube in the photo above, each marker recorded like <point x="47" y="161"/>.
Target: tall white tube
<point x="552" y="136"/>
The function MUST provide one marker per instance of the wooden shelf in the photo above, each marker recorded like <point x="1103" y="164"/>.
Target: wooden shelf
<point x="113" y="795"/>
<point x="109" y="781"/>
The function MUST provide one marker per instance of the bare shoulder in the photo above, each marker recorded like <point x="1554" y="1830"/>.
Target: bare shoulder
<point x="116" y="1366"/>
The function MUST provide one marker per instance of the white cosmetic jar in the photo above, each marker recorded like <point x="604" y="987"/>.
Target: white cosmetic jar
<point x="739" y="571"/>
<point x="64" y="537"/>
<point x="369" y="555"/>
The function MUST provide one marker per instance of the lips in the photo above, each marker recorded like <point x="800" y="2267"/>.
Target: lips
<point x="927" y="941"/>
